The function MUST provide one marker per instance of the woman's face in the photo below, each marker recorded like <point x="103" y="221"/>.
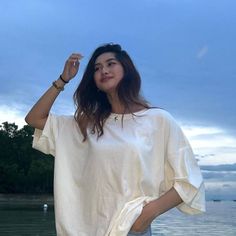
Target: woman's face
<point x="108" y="72"/>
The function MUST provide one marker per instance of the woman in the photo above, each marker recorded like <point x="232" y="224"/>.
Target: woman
<point x="119" y="163"/>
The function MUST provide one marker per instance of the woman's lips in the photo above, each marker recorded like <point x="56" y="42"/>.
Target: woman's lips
<point x="105" y="79"/>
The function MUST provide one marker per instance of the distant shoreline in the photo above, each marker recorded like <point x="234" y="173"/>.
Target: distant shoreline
<point x="41" y="198"/>
<point x="33" y="198"/>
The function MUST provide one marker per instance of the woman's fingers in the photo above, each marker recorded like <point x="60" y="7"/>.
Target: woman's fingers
<point x="76" y="56"/>
<point x="72" y="66"/>
<point x="74" y="59"/>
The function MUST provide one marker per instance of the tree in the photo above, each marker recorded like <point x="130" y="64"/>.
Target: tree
<point x="23" y="169"/>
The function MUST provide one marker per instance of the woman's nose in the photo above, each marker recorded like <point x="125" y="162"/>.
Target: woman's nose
<point x="105" y="70"/>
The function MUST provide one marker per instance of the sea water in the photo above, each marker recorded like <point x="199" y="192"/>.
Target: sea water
<point x="33" y="219"/>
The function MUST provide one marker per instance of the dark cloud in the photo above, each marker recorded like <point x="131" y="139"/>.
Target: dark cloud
<point x="184" y="51"/>
<point x="219" y="175"/>
<point x="204" y="155"/>
<point x="220" y="181"/>
<point x="220" y="192"/>
<point x="225" y="167"/>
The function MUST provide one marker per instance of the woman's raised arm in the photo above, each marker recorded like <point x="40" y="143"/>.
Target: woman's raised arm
<point x="38" y="114"/>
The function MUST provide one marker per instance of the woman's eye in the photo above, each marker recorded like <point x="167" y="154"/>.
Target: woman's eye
<point x="96" y="68"/>
<point x="111" y="63"/>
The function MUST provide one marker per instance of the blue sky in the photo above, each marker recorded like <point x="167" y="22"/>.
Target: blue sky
<point x="184" y="50"/>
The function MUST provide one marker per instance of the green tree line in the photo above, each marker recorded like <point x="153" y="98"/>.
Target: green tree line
<point x="23" y="169"/>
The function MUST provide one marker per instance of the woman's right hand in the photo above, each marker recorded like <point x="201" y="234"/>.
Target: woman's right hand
<point x="71" y="66"/>
<point x="38" y="114"/>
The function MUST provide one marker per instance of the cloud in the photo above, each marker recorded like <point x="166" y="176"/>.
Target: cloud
<point x="12" y="114"/>
<point x="220" y="190"/>
<point x="16" y="112"/>
<point x="220" y="167"/>
<point x="202" y="52"/>
<point x="220" y="181"/>
<point x="211" y="145"/>
<point x="219" y="175"/>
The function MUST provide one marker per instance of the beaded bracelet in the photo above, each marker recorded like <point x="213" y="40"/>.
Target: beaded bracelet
<point x="57" y="87"/>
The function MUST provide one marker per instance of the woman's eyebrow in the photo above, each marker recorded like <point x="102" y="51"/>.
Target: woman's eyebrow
<point x="109" y="59"/>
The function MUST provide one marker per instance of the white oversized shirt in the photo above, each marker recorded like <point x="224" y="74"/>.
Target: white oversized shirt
<point x="102" y="184"/>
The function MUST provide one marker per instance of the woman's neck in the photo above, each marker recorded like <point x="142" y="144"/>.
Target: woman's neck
<point x="119" y="108"/>
<point x="116" y="105"/>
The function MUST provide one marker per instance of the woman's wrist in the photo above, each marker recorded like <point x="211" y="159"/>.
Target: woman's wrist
<point x="58" y="84"/>
<point x="63" y="80"/>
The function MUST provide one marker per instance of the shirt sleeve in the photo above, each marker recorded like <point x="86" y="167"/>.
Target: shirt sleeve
<point x="45" y="140"/>
<point x="182" y="171"/>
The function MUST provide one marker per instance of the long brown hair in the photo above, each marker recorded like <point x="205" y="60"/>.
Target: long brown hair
<point x="92" y="105"/>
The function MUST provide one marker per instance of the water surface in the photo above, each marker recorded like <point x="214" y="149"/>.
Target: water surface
<point x="27" y="218"/>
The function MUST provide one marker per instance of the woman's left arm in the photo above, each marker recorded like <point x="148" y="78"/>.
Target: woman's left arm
<point x="155" y="208"/>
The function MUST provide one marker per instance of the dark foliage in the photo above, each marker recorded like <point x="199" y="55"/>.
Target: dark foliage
<point x="23" y="169"/>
